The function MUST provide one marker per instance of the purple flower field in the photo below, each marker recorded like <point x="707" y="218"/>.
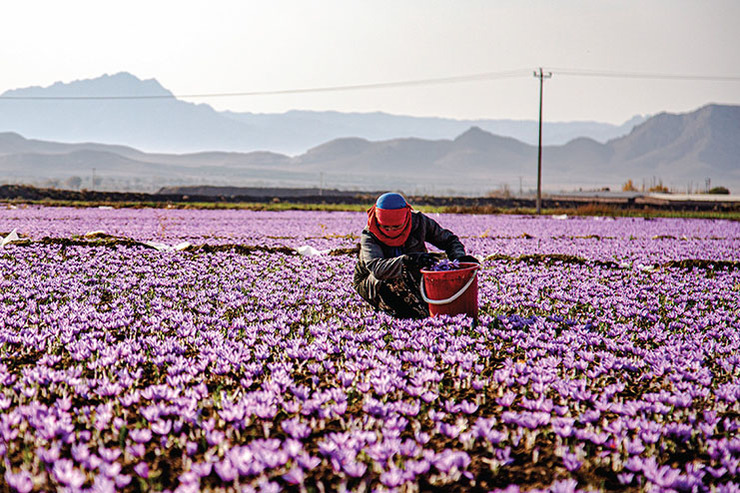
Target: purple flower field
<point x="606" y="357"/>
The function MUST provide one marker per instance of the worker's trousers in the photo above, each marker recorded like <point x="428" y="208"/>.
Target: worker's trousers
<point x="400" y="297"/>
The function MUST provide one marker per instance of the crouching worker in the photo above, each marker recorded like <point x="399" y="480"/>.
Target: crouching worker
<point x="393" y="252"/>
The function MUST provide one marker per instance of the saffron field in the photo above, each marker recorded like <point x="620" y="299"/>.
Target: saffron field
<point x="606" y="357"/>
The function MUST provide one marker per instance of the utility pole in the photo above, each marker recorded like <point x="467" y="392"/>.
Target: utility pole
<point x="542" y="78"/>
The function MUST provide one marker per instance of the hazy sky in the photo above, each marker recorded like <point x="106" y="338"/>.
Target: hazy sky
<point x="199" y="47"/>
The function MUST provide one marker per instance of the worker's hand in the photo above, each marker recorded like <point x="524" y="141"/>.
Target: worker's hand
<point x="468" y="258"/>
<point x="419" y="260"/>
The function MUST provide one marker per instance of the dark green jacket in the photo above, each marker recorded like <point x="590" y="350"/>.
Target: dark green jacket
<point x="378" y="262"/>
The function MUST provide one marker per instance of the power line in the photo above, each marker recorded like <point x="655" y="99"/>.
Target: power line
<point x="354" y="87"/>
<point x="644" y="75"/>
<point x="484" y="76"/>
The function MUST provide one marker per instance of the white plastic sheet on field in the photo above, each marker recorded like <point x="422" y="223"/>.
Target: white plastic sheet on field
<point x="163" y="247"/>
<point x="309" y="251"/>
<point x="12" y="236"/>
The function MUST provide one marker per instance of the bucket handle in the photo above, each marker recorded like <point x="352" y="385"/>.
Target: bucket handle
<point x="451" y="298"/>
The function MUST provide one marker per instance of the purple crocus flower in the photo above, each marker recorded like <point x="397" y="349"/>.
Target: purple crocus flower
<point x="294" y="476"/>
<point x="142" y="469"/>
<point x="633" y="447"/>
<point x="563" y="426"/>
<point x="625" y="478"/>
<point x="448" y="459"/>
<point x="109" y="454"/>
<point x="137" y="450"/>
<point x="122" y="480"/>
<point x="140" y="435"/>
<point x="110" y="470"/>
<point x="48" y="456"/>
<point x="65" y="473"/>
<point x="468" y="407"/>
<point x="716" y="472"/>
<point x="191" y="448"/>
<point x="355" y="469"/>
<point x="571" y="462"/>
<point x="308" y="462"/>
<point x="296" y="429"/>
<point x="162" y="427"/>
<point x="226" y="470"/>
<point x="663" y="476"/>
<point x="202" y="469"/>
<point x="269" y="487"/>
<point x="103" y="484"/>
<point x="590" y="416"/>
<point x="449" y="430"/>
<point x="422" y="437"/>
<point x="506" y="400"/>
<point x="392" y="478"/>
<point x="215" y="437"/>
<point x="634" y="464"/>
<point x="417" y="467"/>
<point x="564" y="486"/>
<point x="503" y="455"/>
<point x="21" y="481"/>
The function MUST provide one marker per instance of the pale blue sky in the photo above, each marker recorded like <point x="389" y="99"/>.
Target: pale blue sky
<point x="241" y="46"/>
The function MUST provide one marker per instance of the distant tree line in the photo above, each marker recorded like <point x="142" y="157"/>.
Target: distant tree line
<point x="656" y="186"/>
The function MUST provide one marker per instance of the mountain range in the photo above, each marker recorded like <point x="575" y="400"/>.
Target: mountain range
<point x="681" y="150"/>
<point x="159" y="122"/>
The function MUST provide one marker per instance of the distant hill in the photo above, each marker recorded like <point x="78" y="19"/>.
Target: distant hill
<point x="681" y="150"/>
<point x="172" y="125"/>
<point x="152" y="124"/>
<point x="295" y="131"/>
